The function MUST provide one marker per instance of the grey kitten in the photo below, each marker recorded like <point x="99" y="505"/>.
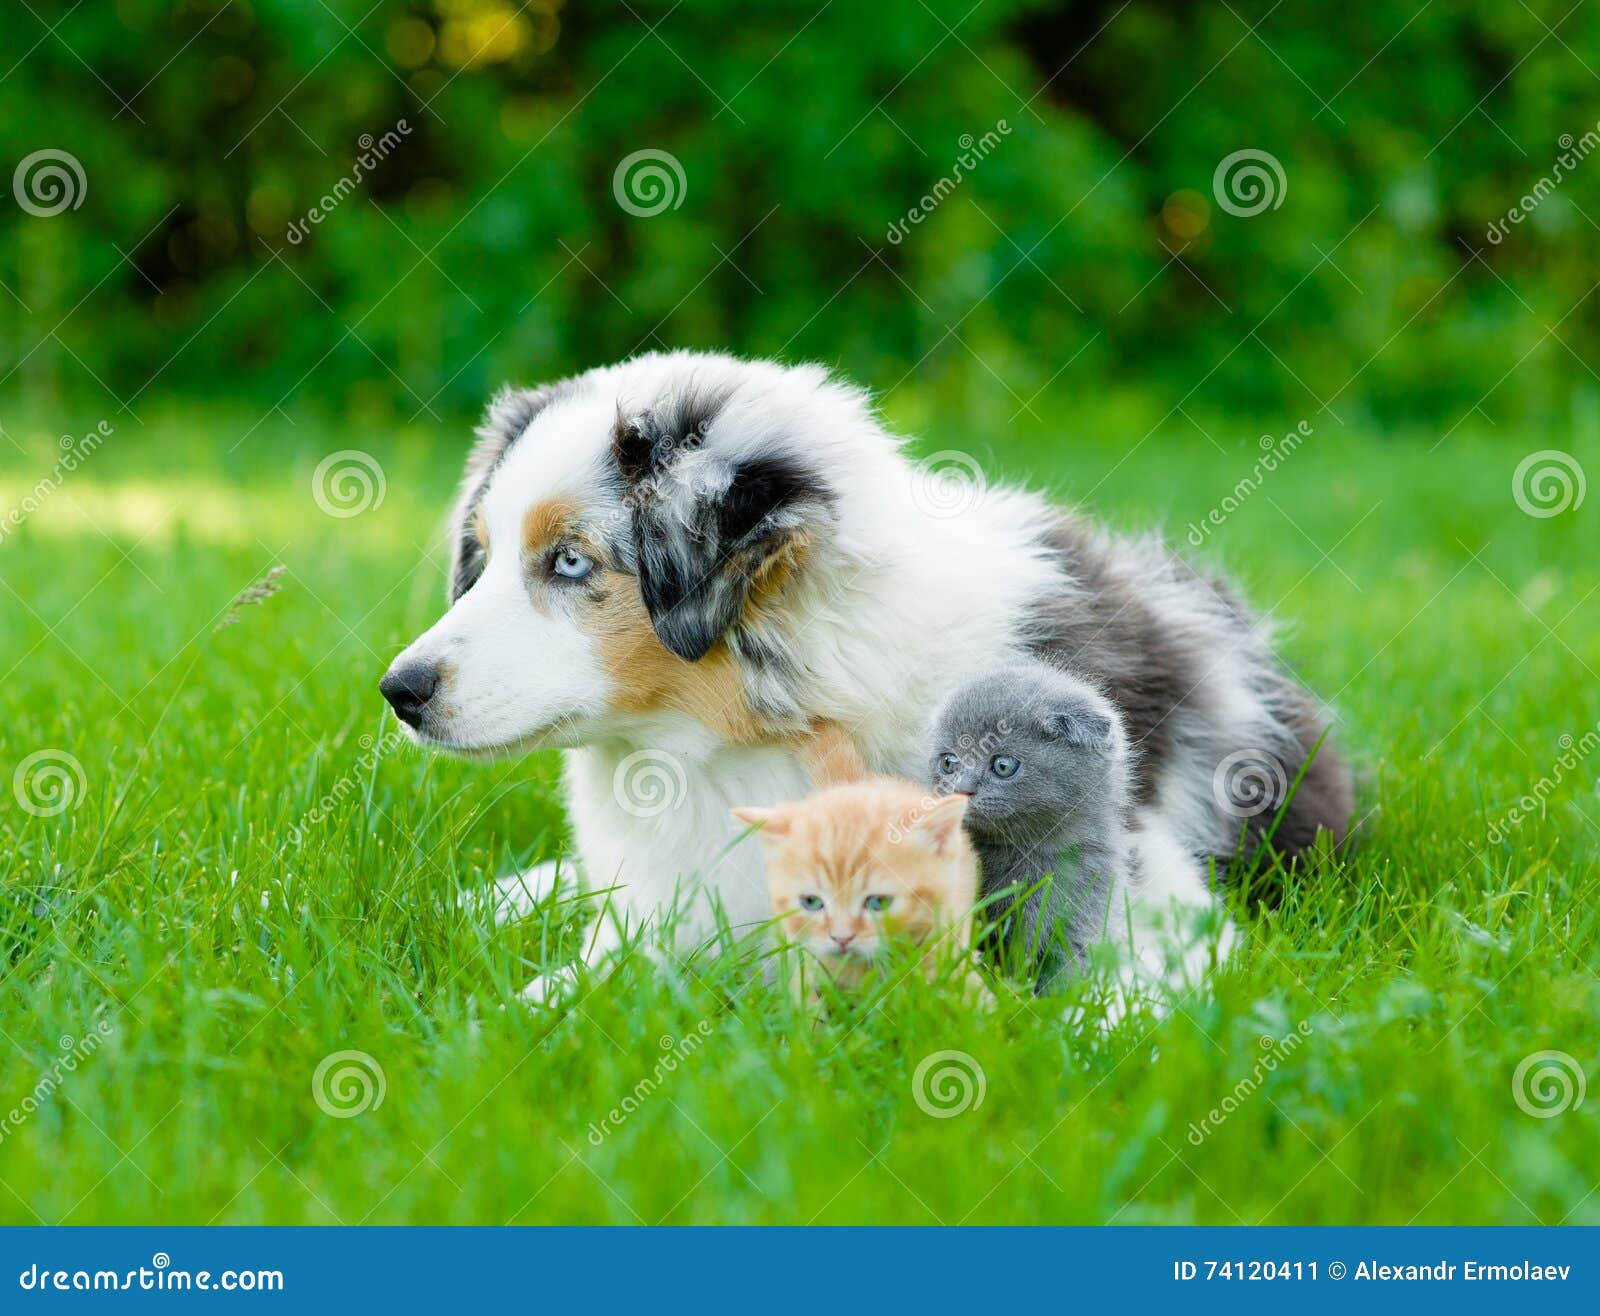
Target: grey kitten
<point x="1045" y="758"/>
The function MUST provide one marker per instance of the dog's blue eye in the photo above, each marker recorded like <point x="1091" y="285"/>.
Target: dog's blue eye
<point x="949" y="764"/>
<point x="1003" y="765"/>
<point x="876" y="904"/>
<point x="572" y="564"/>
<point x="811" y="903"/>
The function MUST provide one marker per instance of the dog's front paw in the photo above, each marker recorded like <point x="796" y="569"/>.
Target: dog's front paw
<point x="515" y="897"/>
<point x="552" y="991"/>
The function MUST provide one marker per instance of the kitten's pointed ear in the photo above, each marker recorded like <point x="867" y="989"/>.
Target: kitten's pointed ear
<point x="940" y="826"/>
<point x="775" y="821"/>
<point x="1081" y="728"/>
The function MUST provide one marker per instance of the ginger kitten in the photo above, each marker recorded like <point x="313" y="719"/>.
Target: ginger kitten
<point x="859" y="867"/>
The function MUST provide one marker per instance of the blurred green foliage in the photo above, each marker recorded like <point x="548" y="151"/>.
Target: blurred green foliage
<point x="1084" y="252"/>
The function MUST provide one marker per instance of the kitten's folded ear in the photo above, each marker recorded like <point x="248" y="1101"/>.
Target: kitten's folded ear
<point x="1081" y="728"/>
<point x="939" y="828"/>
<point x="775" y="821"/>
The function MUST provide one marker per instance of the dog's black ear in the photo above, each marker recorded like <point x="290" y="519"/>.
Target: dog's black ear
<point x="504" y="422"/>
<point x="710" y="530"/>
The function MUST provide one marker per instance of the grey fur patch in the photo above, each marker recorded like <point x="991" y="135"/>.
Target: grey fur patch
<point x="1103" y="626"/>
<point x="1159" y="638"/>
<point x="647" y="443"/>
<point x="705" y="514"/>
<point x="769" y="674"/>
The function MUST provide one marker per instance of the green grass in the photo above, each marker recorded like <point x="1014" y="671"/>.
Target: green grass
<point x="1456" y="636"/>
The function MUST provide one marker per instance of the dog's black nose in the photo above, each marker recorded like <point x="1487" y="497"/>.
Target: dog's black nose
<point x="408" y="689"/>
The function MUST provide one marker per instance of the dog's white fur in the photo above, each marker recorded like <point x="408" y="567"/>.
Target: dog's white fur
<point x="907" y="597"/>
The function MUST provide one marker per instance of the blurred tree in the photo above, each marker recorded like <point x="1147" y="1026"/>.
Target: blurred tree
<point x="394" y="206"/>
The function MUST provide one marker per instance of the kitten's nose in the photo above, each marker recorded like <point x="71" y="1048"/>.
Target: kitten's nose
<point x="843" y="939"/>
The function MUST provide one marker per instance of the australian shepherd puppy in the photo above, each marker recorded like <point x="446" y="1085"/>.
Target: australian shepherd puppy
<point x="680" y="569"/>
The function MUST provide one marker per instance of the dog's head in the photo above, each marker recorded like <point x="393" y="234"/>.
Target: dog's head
<point x="615" y="534"/>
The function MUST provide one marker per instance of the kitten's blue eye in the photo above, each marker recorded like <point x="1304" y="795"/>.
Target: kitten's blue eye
<point x="1003" y="765"/>
<point x="572" y="564"/>
<point x="876" y="904"/>
<point x="949" y="764"/>
<point x="811" y="903"/>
